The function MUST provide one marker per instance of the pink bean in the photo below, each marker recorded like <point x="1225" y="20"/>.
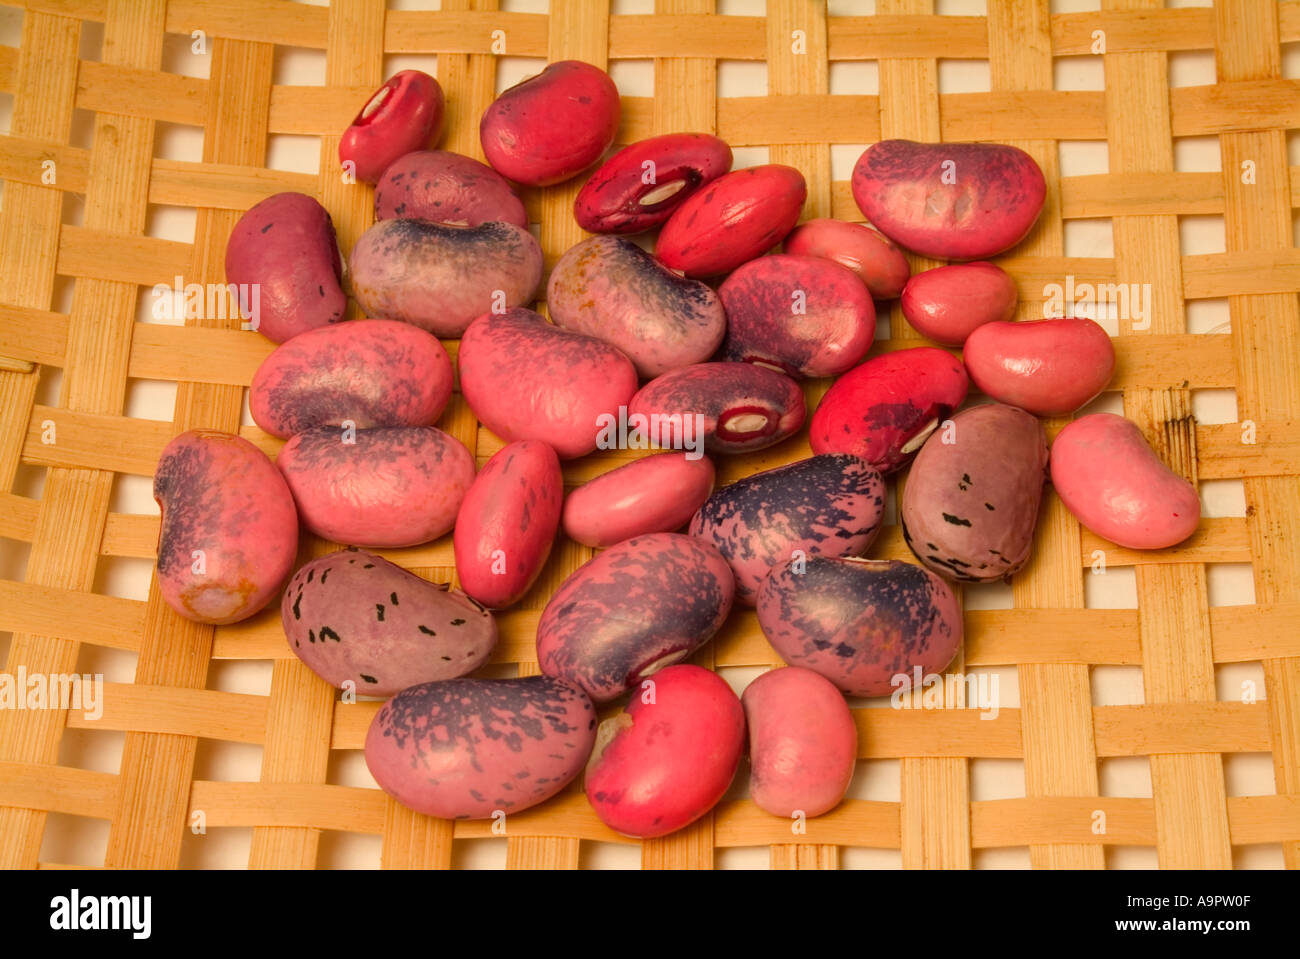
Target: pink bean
<point x="732" y="220"/>
<point x="507" y="523"/>
<point x="948" y="303"/>
<point x="1048" y="367"/>
<point x="870" y="254"/>
<point x="667" y="759"/>
<point x="803" y="742"/>
<point x="1108" y="476"/>
<point x="446" y="188"/>
<point x="640" y="186"/>
<point x="229" y="532"/>
<point x="404" y="114"/>
<point x="655" y="494"/>
<point x="553" y="126"/>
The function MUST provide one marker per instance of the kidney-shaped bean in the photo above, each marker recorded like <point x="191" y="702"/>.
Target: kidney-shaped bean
<point x="229" y="532"/>
<point x="654" y="494"/>
<point x="633" y="609"/>
<point x="1048" y="367"/>
<point x="404" y="114"/>
<point x="946" y="304"/>
<point x="874" y="257"/>
<point x="446" y="188"/>
<point x="476" y="748"/>
<point x="354" y="617"/>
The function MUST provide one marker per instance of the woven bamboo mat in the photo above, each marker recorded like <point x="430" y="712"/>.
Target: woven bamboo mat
<point x="57" y="606"/>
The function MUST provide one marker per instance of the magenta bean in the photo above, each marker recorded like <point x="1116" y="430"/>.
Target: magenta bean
<point x="446" y="188"/>
<point x="405" y="114"/>
<point x="480" y="748"/>
<point x="381" y="487"/>
<point x="803" y="742"/>
<point x="640" y="186"/>
<point x="970" y="503"/>
<point x="860" y="623"/>
<point x="283" y="258"/>
<point x="802" y="315"/>
<point x="356" y="618"/>
<point x="951" y="201"/>
<point x="552" y="126"/>
<point x="827" y="505"/>
<point x="734" y="407"/>
<point x="368" y="372"/>
<point x="732" y="220"/>
<point x="229" y="532"/>
<point x="655" y="494"/>
<point x="884" y="409"/>
<point x="1048" y="367"/>
<point x="526" y="379"/>
<point x="440" y="277"/>
<point x="948" y="303"/>
<point x="667" y="760"/>
<point x="632" y="610"/>
<point x="874" y="257"/>
<point x="507" y="523"/>
<point x="610" y="288"/>
<point x="1108" y="476"/>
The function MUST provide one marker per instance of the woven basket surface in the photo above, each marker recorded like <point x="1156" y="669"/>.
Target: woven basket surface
<point x="163" y="794"/>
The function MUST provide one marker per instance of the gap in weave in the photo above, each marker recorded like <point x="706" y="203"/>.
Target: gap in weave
<point x="92" y="749"/>
<point x="1001" y="857"/>
<point x="349" y="850"/>
<point x="293" y="153"/>
<point x="993" y="779"/>
<point x="742" y="8"/>
<point x="1230" y="584"/>
<point x="227" y="847"/>
<point x="634" y="78"/>
<point x="91" y="44"/>
<point x="81" y="133"/>
<point x="1114" y="685"/>
<point x="964" y="76"/>
<point x="854" y="78"/>
<point x="397" y="62"/>
<point x="299" y="66"/>
<point x="1249" y="774"/>
<point x="863" y="857"/>
<point x="1124" y="777"/>
<point x="153" y="400"/>
<point x="479" y="853"/>
<point x="1087" y="72"/>
<point x="1243" y="683"/>
<point x="1197" y="155"/>
<point x="74" y="840"/>
<point x="1200" y="235"/>
<point x="1262" y="856"/>
<point x="511" y="70"/>
<point x="178" y="56"/>
<point x="1132" y="857"/>
<point x="123" y="577"/>
<point x="249" y="677"/>
<point x="1191" y="68"/>
<point x="177" y="141"/>
<point x="742" y="78"/>
<point x="1223" y="498"/>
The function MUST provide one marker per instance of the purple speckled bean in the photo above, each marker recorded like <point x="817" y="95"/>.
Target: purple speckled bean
<point x="440" y="277"/>
<point x="827" y="505"/>
<point x="874" y="257"/>
<point x="635" y="608"/>
<point x="526" y="379"/>
<point x="800" y="314"/>
<point x="860" y="622"/>
<point x="446" y="188"/>
<point x="283" y="257"/>
<point x="744" y="407"/>
<point x="655" y="494"/>
<point x="389" y="487"/>
<point x="610" y="288"/>
<point x="229" y="532"/>
<point x="466" y="748"/>
<point x="372" y="372"/>
<point x="970" y="503"/>
<point x="507" y="523"/>
<point x="354" y="617"/>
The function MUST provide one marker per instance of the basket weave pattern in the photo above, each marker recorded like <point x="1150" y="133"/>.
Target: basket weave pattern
<point x="1050" y="637"/>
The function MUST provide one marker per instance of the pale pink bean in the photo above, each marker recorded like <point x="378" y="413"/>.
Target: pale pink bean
<point x="1048" y="367"/>
<point x="656" y="494"/>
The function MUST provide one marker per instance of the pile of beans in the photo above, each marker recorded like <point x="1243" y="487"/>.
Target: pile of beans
<point x="707" y="329"/>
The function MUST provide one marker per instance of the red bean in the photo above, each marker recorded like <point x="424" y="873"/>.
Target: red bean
<point x="870" y="254"/>
<point x="404" y="114"/>
<point x="948" y="303"/>
<point x="446" y="188"/>
<point x="1048" y="367"/>
<point x="655" y="494"/>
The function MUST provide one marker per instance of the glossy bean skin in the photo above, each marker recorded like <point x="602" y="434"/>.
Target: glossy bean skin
<point x="285" y="250"/>
<point x="1108" y="476"/>
<point x="446" y="187"/>
<point x="874" y="257"/>
<point x="440" y="277"/>
<point x="391" y="487"/>
<point x="860" y="623"/>
<point x="551" y="127"/>
<point x="883" y="410"/>
<point x="617" y="198"/>
<point x="744" y="407"/>
<point x="654" y="494"/>
<point x="354" y="617"/>
<point x="662" y="764"/>
<point x="827" y="505"/>
<point x="526" y="379"/>
<point x="950" y="201"/>
<point x="637" y="607"/>
<point x="948" y="303"/>
<point x="1048" y="367"/>
<point x="468" y="748"/>
<point x="405" y="114"/>
<point x="970" y="506"/>
<point x="803" y="742"/>
<point x="609" y="288"/>
<point x="803" y="315"/>
<point x="229" y="531"/>
<point x="371" y="372"/>
<point x="732" y="220"/>
<point x="507" y="523"/>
